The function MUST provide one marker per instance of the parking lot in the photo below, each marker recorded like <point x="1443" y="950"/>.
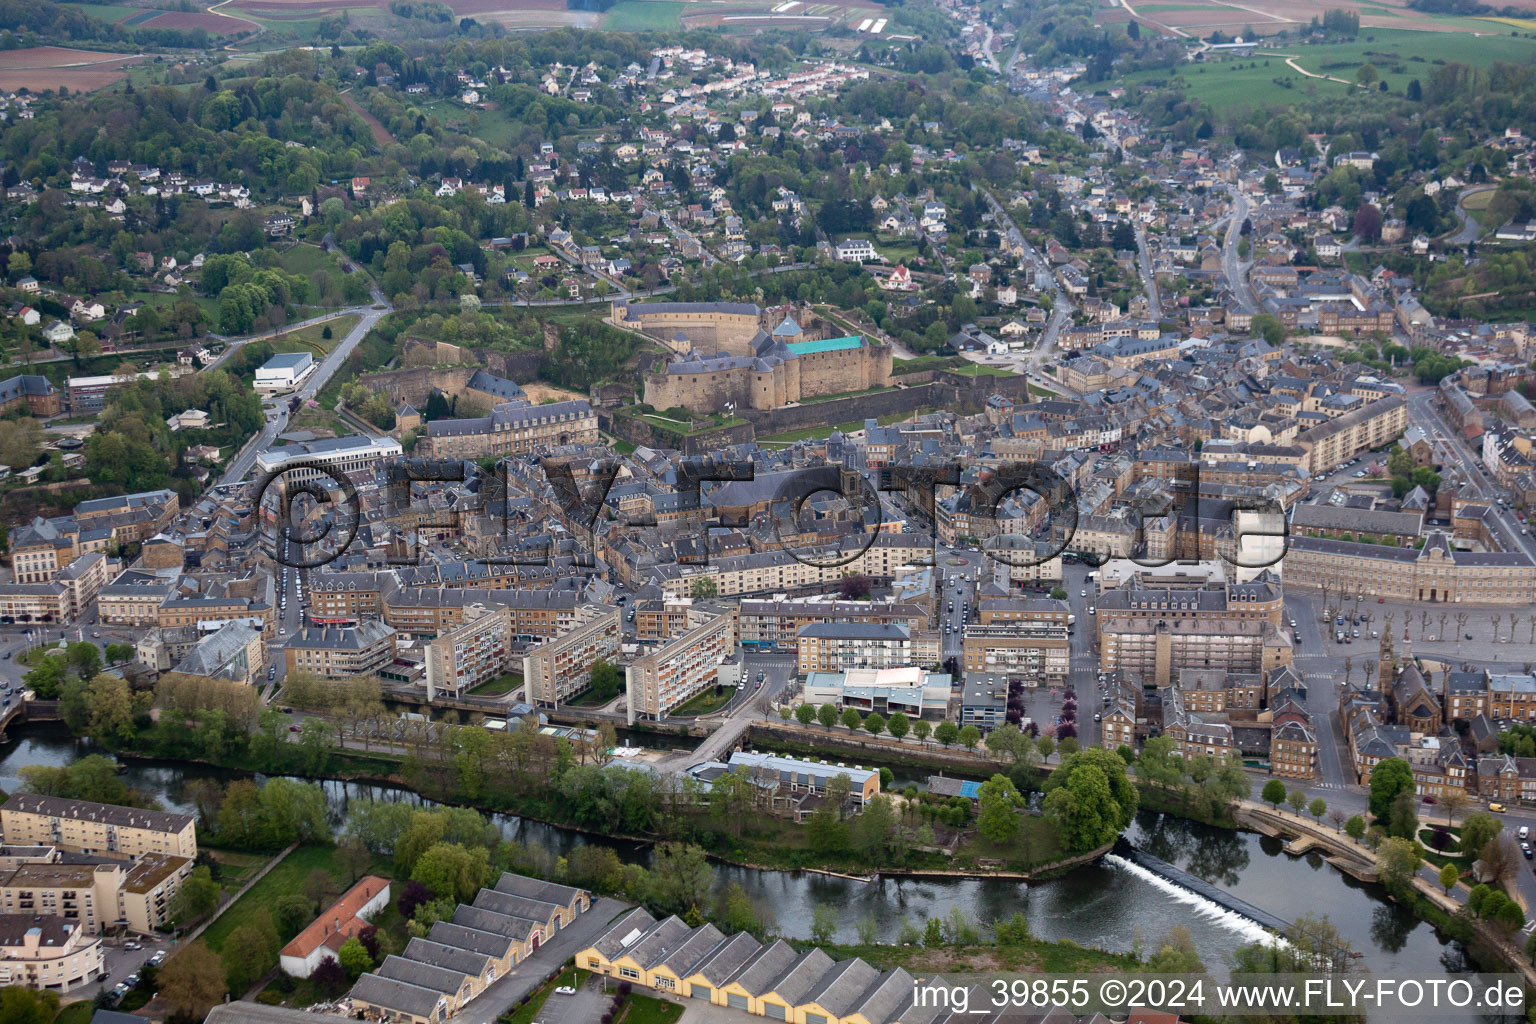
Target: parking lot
<point x="587" y="1004"/>
<point x="122" y="962"/>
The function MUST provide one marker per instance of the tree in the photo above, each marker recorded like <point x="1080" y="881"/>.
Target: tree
<point x="704" y="587"/>
<point x="1478" y="829"/>
<point x="1090" y="799"/>
<point x="969" y="736"/>
<point x="1368" y="222"/>
<point x="318" y="885"/>
<point x="192" y="981"/>
<point x="329" y="977"/>
<point x="1058" y="594"/>
<point x="823" y="923"/>
<point x="452" y="870"/>
<point x="946" y="733"/>
<point x="353" y="858"/>
<point x="899" y="725"/>
<point x="851" y="718"/>
<point x="680" y="877"/>
<point x="249" y="951"/>
<point x="1399" y="860"/>
<point x="921" y="729"/>
<point x="198" y="895"/>
<point x="999" y="801"/>
<point x="19" y="1005"/>
<point x="1388" y="779"/>
<point x="1454" y="801"/>
<point x="1404" y="821"/>
<point x="874" y="723"/>
<point x="1296" y="800"/>
<point x="827" y="715"/>
<point x="354" y="959"/>
<point x="805" y="714"/>
<point x="1317" y="808"/>
<point x="293" y="912"/>
<point x="1273" y="793"/>
<point x="1367" y="74"/>
<point x="1047" y="746"/>
<point x="1355" y="827"/>
<point x="1448" y="877"/>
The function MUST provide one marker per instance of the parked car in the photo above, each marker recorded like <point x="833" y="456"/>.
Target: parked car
<point x="565" y="990"/>
<point x="1496" y="808"/>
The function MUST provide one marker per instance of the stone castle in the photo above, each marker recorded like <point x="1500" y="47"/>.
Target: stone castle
<point x="737" y="355"/>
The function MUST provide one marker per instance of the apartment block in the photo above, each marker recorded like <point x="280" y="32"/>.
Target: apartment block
<point x="338" y="653"/>
<point x="1034" y="653"/>
<point x="48" y="953"/>
<point x="560" y="668"/>
<point x="668" y="677"/>
<point x="84" y="826"/>
<point x="469" y="654"/>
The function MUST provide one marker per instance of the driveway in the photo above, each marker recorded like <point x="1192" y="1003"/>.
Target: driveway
<point x="507" y="991"/>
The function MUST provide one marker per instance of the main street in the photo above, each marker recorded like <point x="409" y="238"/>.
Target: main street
<point x="1231" y="263"/>
<point x="1452" y="450"/>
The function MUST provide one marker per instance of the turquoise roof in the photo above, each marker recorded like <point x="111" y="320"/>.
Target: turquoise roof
<point x="806" y="348"/>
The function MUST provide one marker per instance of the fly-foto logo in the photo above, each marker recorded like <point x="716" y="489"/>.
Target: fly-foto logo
<point x="1024" y="513"/>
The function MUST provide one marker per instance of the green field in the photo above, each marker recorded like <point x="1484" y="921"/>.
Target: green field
<point x="76" y="1013"/>
<point x="306" y="260"/>
<point x="286" y="877"/>
<point x="1399" y="56"/>
<point x="492" y="127"/>
<point x="705" y="702"/>
<point x="504" y="683"/>
<point x="311" y="339"/>
<point x="642" y="16"/>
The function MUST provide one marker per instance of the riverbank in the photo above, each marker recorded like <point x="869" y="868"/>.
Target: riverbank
<point x="1430" y="904"/>
<point x="1099" y="905"/>
<point x="788" y="840"/>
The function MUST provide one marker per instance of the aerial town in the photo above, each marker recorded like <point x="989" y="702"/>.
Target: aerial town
<point x="646" y="511"/>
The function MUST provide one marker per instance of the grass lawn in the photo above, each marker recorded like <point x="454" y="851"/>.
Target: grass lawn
<point x="504" y="683"/>
<point x="235" y="869"/>
<point x="902" y="366"/>
<point x="590" y="699"/>
<point x="312" y="339"/>
<point x="979" y="370"/>
<point x="638" y="1009"/>
<point x="160" y="300"/>
<point x="642" y="16"/>
<point x="80" y="1013"/>
<point x="704" y="703"/>
<point x="286" y="877"/>
<point x="305" y="260"/>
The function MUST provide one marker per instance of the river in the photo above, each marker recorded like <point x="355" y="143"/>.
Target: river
<point x="1108" y="904"/>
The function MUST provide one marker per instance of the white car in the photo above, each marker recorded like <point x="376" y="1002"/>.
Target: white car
<point x="565" y="990"/>
<point x="1082" y="593"/>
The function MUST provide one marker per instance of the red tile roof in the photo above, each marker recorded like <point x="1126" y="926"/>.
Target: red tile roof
<point x="338" y="922"/>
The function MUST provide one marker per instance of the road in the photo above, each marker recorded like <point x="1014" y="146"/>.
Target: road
<point x="1470" y="228"/>
<point x="235" y="344"/>
<point x="986" y="51"/>
<point x="1148" y="279"/>
<point x="1231" y="264"/>
<point x="1451" y="450"/>
<point x="277" y="414"/>
<point x="1043" y="352"/>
